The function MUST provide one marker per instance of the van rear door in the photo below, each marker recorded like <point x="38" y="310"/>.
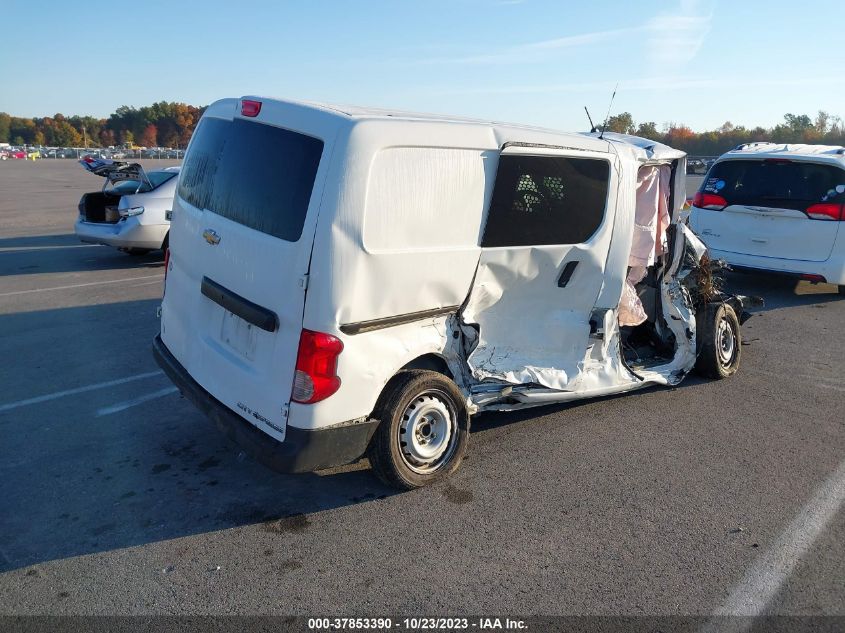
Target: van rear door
<point x="771" y="208"/>
<point x="241" y="236"/>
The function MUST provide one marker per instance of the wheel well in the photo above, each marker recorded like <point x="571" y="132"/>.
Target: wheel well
<point x="429" y="361"/>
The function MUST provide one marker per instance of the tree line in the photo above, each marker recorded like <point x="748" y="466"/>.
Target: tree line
<point x="162" y="124"/>
<point x="824" y="129"/>
<point x="166" y="124"/>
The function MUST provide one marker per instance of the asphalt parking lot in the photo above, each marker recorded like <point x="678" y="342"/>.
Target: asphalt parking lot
<point x="118" y="497"/>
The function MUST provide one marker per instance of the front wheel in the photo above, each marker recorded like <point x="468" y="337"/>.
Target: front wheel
<point x="719" y="340"/>
<point x="423" y="431"/>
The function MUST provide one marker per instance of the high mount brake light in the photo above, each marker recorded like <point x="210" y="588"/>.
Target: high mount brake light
<point x="825" y="211"/>
<point x="250" y="108"/>
<point x="316" y="367"/>
<point x="710" y="201"/>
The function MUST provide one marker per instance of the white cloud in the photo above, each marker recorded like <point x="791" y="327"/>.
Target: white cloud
<point x="534" y="51"/>
<point x="662" y="84"/>
<point x="675" y="37"/>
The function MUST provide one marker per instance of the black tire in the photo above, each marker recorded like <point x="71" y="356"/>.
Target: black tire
<point x="429" y="394"/>
<point x="719" y="341"/>
<point x="137" y="252"/>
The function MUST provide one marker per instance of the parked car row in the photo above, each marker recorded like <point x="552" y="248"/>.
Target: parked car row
<point x="697" y="166"/>
<point x="33" y="153"/>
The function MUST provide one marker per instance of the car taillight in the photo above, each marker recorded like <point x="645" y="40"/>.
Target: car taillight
<point x="709" y="201"/>
<point x="250" y="108"/>
<point x="316" y="367"/>
<point x="814" y="279"/>
<point x="825" y="211"/>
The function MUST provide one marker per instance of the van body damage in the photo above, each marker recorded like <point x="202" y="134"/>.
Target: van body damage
<point x="545" y="323"/>
<point x="375" y="277"/>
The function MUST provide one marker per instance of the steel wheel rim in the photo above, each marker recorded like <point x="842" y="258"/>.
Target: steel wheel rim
<point x="725" y="342"/>
<point x="427" y="432"/>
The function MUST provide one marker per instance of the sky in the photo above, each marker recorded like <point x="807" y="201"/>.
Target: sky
<point x="694" y="62"/>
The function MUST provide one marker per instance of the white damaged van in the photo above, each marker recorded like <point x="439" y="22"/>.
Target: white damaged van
<point x="344" y="282"/>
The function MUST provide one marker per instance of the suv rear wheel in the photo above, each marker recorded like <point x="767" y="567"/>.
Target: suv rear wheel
<point x="423" y="432"/>
<point x="719" y="340"/>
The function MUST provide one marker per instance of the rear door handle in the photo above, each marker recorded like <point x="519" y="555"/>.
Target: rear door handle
<point x="566" y="275"/>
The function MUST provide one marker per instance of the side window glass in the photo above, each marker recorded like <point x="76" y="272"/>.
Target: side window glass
<point x="541" y="200"/>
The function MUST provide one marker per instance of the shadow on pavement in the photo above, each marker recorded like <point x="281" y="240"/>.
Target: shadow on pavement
<point x="76" y="483"/>
<point x="64" y="254"/>
<point x="38" y="241"/>
<point x="779" y="291"/>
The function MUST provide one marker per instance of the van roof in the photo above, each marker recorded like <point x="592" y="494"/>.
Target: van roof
<point x="643" y="149"/>
<point x="763" y="150"/>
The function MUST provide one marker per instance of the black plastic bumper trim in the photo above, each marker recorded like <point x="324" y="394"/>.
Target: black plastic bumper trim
<point x="236" y="304"/>
<point x="302" y="451"/>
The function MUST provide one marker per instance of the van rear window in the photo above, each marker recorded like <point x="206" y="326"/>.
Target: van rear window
<point x="783" y="184"/>
<point x="251" y="173"/>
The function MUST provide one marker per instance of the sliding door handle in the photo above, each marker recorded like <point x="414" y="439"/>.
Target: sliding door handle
<point x="566" y="275"/>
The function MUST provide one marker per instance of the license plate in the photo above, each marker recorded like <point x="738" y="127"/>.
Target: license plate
<point x="239" y="335"/>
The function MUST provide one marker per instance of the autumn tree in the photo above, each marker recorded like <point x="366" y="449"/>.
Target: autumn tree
<point x="149" y="138"/>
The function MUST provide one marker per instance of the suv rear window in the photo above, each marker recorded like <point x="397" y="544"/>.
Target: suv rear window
<point x="777" y="183"/>
<point x="254" y="174"/>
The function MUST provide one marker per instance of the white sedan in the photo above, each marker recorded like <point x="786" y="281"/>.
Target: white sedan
<point x="133" y="214"/>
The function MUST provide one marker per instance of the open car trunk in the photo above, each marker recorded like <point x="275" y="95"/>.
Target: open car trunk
<point x="101" y="206"/>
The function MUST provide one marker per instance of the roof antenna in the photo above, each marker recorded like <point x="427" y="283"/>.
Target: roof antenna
<point x="607" y="118"/>
<point x="593" y="128"/>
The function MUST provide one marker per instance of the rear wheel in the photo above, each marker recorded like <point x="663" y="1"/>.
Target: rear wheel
<point x="423" y="431"/>
<point x="719" y="339"/>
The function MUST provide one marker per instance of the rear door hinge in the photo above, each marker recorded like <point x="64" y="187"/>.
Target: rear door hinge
<point x="303" y="282"/>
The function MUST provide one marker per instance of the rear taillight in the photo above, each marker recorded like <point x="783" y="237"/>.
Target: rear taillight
<point x="709" y="201"/>
<point x="825" y="211"/>
<point x="814" y="279"/>
<point x="250" y="108"/>
<point x="316" y="367"/>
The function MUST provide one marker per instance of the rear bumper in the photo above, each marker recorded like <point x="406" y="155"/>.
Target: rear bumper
<point x="832" y="269"/>
<point x="128" y="233"/>
<point x="303" y="450"/>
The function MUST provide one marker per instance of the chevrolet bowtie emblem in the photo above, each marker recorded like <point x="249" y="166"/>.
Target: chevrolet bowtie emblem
<point x="211" y="237"/>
